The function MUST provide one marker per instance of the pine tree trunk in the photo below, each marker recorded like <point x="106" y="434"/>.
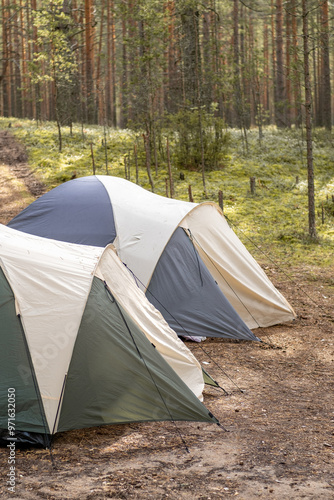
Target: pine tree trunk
<point x="308" y="122"/>
<point x="239" y="105"/>
<point x="5" y="65"/>
<point x="124" y="80"/>
<point x="288" y="67"/>
<point x="296" y="77"/>
<point x="266" y="94"/>
<point x="273" y="63"/>
<point x="170" y="96"/>
<point x="316" y="57"/>
<point x="280" y="97"/>
<point x="113" y="68"/>
<point x="101" y="118"/>
<point x="89" y="61"/>
<point x="190" y="53"/>
<point x="110" y="73"/>
<point x="325" y="67"/>
<point x="24" y="63"/>
<point x="207" y="64"/>
<point x="248" y="84"/>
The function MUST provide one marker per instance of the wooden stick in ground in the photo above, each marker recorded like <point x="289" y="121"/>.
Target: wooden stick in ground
<point x="125" y="168"/>
<point x="93" y="162"/>
<point x="221" y="200"/>
<point x="190" y="194"/>
<point x="148" y="160"/>
<point x="252" y="185"/>
<point x="129" y="165"/>
<point x="171" y="183"/>
<point x="322" y="213"/>
<point x="155" y="152"/>
<point x="136" y="163"/>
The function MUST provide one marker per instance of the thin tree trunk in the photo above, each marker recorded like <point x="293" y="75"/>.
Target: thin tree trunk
<point x="99" y="85"/>
<point x="110" y="74"/>
<point x="89" y="60"/>
<point x="207" y="64"/>
<point x="248" y="83"/>
<point x="17" y="83"/>
<point x="325" y="67"/>
<point x="317" y="91"/>
<point x="288" y="67"/>
<point x="273" y="60"/>
<point x="308" y="123"/>
<point x="170" y="101"/>
<point x="280" y="98"/>
<point x="296" y="77"/>
<point x="24" y="62"/>
<point x="266" y="94"/>
<point x="236" y="62"/>
<point x="199" y="99"/>
<point x="237" y="84"/>
<point x="5" y="66"/>
<point x="113" y="67"/>
<point x="30" y="86"/>
<point x="124" y="85"/>
<point x="191" y="56"/>
<point x="11" y="95"/>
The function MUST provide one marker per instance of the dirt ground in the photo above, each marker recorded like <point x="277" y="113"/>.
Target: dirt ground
<point x="277" y="439"/>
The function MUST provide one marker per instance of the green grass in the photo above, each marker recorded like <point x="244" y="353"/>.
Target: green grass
<point x="273" y="222"/>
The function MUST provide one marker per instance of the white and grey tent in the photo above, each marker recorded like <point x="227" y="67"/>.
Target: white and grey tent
<point x="185" y="256"/>
<point x="81" y="346"/>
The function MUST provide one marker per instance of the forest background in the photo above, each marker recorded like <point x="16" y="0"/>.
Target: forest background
<point x="137" y="63"/>
<point x="216" y="100"/>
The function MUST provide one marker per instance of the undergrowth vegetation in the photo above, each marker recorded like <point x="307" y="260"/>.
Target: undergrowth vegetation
<point x="272" y="222"/>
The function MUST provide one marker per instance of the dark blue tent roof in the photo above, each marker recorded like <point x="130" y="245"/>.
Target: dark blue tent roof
<point x="78" y="211"/>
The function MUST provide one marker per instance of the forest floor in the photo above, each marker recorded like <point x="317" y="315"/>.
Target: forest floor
<point x="278" y="416"/>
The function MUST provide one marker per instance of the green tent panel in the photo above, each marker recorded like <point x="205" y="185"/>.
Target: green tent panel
<point x="208" y="379"/>
<point x="16" y="371"/>
<point x="117" y="376"/>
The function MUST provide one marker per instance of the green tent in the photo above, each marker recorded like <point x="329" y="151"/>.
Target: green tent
<point x="72" y="355"/>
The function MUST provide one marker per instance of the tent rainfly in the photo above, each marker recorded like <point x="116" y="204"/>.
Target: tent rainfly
<point x="190" y="263"/>
<point x="81" y="346"/>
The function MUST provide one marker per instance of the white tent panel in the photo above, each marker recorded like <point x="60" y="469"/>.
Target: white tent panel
<point x="51" y="281"/>
<point x="238" y="275"/>
<point x="144" y="224"/>
<point x="150" y="321"/>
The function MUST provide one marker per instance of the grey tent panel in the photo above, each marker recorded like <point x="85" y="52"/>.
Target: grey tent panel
<point x="16" y="371"/>
<point x="78" y="211"/>
<point x="117" y="376"/>
<point x="188" y="297"/>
